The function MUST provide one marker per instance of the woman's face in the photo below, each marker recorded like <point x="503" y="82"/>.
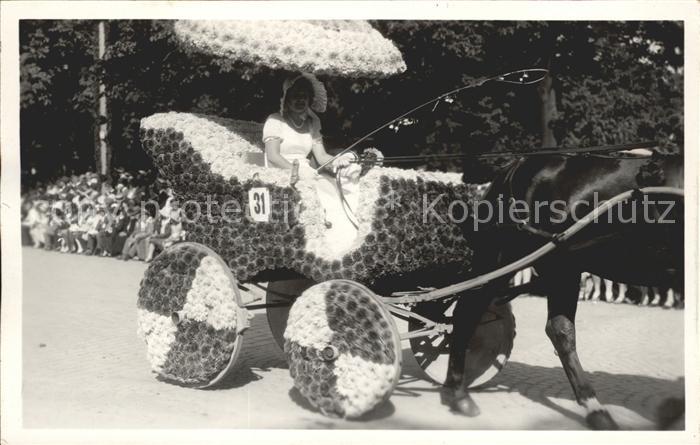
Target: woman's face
<point x="298" y="98"/>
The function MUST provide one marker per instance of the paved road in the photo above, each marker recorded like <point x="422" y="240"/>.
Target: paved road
<point x="84" y="366"/>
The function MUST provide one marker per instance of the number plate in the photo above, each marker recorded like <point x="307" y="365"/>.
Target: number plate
<point x="259" y="204"/>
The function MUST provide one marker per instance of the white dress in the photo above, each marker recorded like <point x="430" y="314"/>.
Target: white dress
<point x="297" y="146"/>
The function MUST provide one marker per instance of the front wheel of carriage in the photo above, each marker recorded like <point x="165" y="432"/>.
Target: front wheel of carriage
<point x="191" y="316"/>
<point x="343" y="348"/>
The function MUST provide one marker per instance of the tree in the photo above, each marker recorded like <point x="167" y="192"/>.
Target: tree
<point x="55" y="105"/>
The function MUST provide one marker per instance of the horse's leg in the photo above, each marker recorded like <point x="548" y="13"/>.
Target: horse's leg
<point x="465" y="319"/>
<point x="560" y="288"/>
<point x="608" y="290"/>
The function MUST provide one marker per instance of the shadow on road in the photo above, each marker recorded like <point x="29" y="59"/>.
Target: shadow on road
<point x="384" y="410"/>
<point x="641" y="394"/>
<point x="634" y="392"/>
<point x="258" y="355"/>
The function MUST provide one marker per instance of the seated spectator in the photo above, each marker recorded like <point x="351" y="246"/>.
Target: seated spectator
<point x="137" y="240"/>
<point x="127" y="217"/>
<point x="56" y="233"/>
<point x="170" y="233"/>
<point x="83" y="224"/>
<point x="94" y="222"/>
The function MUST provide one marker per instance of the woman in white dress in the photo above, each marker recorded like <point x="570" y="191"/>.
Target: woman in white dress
<point x="295" y="132"/>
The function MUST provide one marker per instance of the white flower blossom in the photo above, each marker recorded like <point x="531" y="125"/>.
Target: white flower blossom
<point x="363" y="384"/>
<point x="307" y="324"/>
<point x="211" y="297"/>
<point x="158" y="332"/>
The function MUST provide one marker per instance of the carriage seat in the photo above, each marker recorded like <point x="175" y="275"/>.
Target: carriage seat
<point x="231" y="148"/>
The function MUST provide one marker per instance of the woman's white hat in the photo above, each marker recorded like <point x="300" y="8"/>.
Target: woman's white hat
<point x="320" y="99"/>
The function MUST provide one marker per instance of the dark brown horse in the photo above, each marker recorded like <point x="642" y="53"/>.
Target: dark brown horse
<point x="638" y="242"/>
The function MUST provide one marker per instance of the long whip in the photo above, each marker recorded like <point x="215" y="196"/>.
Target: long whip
<point x="519" y="77"/>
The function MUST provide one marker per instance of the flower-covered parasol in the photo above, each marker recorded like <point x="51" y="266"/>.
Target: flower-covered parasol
<point x="349" y="48"/>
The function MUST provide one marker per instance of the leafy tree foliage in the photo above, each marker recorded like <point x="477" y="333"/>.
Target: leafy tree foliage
<point x="609" y="82"/>
<point x="57" y="101"/>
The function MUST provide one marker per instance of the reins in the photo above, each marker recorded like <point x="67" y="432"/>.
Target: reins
<point x="346" y="205"/>
<point x="563" y="151"/>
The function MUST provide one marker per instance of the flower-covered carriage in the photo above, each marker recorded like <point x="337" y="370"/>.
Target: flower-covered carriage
<point x="247" y="223"/>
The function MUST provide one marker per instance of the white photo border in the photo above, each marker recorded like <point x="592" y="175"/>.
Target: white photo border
<point x="11" y="325"/>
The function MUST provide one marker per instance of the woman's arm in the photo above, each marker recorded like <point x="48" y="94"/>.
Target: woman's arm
<point x="319" y="152"/>
<point x="317" y="147"/>
<point x="272" y="150"/>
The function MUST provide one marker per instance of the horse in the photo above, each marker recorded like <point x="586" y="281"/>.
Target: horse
<point x="640" y="250"/>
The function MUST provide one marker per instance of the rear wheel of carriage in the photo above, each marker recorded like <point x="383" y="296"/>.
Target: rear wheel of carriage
<point x="283" y="293"/>
<point x="343" y="348"/>
<point x="190" y="315"/>
<point x="488" y="350"/>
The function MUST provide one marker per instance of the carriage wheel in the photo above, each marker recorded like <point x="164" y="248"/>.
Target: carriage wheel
<point x="488" y="349"/>
<point x="343" y="348"/>
<point x="283" y="292"/>
<point x="190" y="316"/>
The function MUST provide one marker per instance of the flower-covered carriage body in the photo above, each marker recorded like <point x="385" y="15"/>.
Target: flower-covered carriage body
<point x="252" y="223"/>
<point x="216" y="165"/>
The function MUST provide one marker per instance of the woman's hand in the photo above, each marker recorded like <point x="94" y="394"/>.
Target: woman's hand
<point x="306" y="171"/>
<point x="344" y="160"/>
<point x="351" y="172"/>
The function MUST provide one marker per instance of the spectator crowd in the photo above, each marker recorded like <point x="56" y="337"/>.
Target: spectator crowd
<point x="131" y="219"/>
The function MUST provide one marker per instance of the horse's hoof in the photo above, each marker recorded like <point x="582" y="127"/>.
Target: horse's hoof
<point x="447" y="395"/>
<point x="465" y="406"/>
<point x="459" y="403"/>
<point x="601" y="421"/>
